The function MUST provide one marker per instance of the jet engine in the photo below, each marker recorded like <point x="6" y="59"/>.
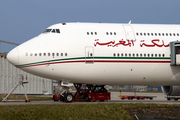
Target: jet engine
<point x="171" y="90"/>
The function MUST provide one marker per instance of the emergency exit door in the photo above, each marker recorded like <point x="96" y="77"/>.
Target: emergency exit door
<point x="129" y="32"/>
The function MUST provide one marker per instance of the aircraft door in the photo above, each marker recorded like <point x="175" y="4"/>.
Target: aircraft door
<point x="89" y="54"/>
<point x="129" y="32"/>
<point x="175" y="53"/>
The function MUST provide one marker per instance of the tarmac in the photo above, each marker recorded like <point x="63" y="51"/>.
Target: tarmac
<point x="159" y="99"/>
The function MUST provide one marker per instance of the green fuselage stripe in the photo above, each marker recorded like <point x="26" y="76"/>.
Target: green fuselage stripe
<point x="104" y="58"/>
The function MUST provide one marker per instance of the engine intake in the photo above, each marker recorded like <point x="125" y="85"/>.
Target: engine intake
<point x="171" y="90"/>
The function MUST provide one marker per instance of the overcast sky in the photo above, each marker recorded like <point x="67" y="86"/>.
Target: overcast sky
<point x="21" y="20"/>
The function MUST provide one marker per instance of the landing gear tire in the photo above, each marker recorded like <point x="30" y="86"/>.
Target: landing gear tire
<point x="168" y="98"/>
<point x="68" y="97"/>
<point x="175" y="99"/>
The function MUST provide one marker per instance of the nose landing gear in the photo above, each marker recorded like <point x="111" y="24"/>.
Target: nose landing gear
<point x="84" y="92"/>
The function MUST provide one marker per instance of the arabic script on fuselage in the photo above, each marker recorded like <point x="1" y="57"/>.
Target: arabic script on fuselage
<point x="130" y="43"/>
<point x="113" y="44"/>
<point x="154" y="42"/>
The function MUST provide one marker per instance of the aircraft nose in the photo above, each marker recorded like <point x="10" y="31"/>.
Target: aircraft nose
<point x="13" y="56"/>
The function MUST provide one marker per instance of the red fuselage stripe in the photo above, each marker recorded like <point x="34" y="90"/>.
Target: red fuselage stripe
<point x="103" y="61"/>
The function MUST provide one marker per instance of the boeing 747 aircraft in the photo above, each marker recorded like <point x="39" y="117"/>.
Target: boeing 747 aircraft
<point x="104" y="54"/>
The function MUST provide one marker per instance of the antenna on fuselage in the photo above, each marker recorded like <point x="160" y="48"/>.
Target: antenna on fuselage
<point x="129" y="22"/>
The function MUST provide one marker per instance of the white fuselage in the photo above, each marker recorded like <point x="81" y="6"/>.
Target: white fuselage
<point x="98" y="53"/>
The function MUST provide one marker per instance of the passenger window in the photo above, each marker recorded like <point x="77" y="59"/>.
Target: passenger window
<point x="148" y="34"/>
<point x="52" y="54"/>
<point x="90" y="54"/>
<point x="114" y="55"/>
<point x="40" y="54"/>
<point x="44" y="54"/>
<point x="159" y="55"/>
<point x="162" y="34"/>
<point x="87" y="33"/>
<point x="126" y="55"/>
<point x="133" y="54"/>
<point x="110" y="33"/>
<point x="137" y="55"/>
<point x="141" y="55"/>
<point x="61" y="54"/>
<point x="177" y="34"/>
<point x="114" y="33"/>
<point x="155" y="34"/>
<point x="57" y="54"/>
<point x="118" y="54"/>
<point x="152" y="34"/>
<point x="163" y="55"/>
<point x="95" y="33"/>
<point x="166" y="34"/>
<point x="174" y="34"/>
<point x="106" y="33"/>
<point x="170" y="34"/>
<point x="159" y="34"/>
<point x="148" y="55"/>
<point x="26" y="54"/>
<point x="144" y="34"/>
<point x="144" y="55"/>
<point x="155" y="55"/>
<point x="122" y="54"/>
<point x="35" y="54"/>
<point x="49" y="54"/>
<point x="66" y="54"/>
<point x="129" y="55"/>
<point x="31" y="54"/>
<point x="91" y="33"/>
<point x="137" y="34"/>
<point x="152" y="55"/>
<point x="141" y="34"/>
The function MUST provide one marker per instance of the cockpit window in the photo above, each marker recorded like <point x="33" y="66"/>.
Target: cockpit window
<point x="57" y="30"/>
<point x="47" y="30"/>
<point x="52" y="31"/>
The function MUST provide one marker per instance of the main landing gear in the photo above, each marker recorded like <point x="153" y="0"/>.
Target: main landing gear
<point x="83" y="93"/>
<point x="63" y="95"/>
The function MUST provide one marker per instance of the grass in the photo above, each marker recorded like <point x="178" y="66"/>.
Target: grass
<point x="64" y="112"/>
<point x="99" y="111"/>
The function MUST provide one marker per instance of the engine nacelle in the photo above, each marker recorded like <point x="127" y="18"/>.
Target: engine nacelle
<point x="171" y="90"/>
